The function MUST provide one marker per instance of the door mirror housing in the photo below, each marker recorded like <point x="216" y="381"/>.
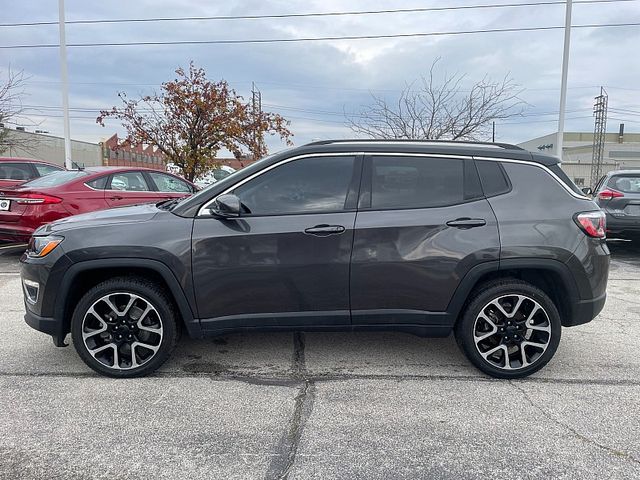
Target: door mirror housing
<point x="587" y="191"/>
<point x="226" y="206"/>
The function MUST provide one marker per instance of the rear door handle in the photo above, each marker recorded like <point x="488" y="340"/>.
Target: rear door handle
<point x="467" y="222"/>
<point x="325" y="230"/>
<point x="116" y="198"/>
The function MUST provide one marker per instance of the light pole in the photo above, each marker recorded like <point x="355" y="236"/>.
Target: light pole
<point x="563" y="85"/>
<point x="64" y="74"/>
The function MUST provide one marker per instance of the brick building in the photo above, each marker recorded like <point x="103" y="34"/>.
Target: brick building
<point x="123" y="154"/>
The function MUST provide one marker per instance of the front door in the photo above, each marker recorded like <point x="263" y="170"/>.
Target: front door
<point x="285" y="261"/>
<point x="422" y="224"/>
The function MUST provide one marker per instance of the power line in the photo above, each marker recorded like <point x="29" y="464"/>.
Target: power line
<point x="316" y="39"/>
<point x="311" y="14"/>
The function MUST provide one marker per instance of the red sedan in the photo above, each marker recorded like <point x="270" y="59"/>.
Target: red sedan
<point x="14" y="171"/>
<point x="26" y="207"/>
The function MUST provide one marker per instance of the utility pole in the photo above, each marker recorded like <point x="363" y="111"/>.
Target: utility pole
<point x="599" y="135"/>
<point x="65" y="87"/>
<point x="493" y="134"/>
<point x="563" y="85"/>
<point x="256" y="105"/>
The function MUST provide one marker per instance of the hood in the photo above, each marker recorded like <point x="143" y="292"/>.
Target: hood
<point x="113" y="216"/>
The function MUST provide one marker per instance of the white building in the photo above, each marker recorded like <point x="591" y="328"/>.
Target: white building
<point x="621" y="151"/>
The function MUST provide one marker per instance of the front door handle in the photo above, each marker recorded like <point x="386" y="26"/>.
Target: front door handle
<point x="324" y="230"/>
<point x="467" y="222"/>
<point x="115" y="198"/>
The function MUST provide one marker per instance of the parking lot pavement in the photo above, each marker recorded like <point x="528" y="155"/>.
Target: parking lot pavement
<point x="326" y="405"/>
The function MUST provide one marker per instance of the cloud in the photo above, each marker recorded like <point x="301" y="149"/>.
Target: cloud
<point x="313" y="83"/>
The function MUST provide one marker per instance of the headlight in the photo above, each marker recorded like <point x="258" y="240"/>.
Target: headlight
<point x="42" y="246"/>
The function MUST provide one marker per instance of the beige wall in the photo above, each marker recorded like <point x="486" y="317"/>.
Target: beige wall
<point x="51" y="149"/>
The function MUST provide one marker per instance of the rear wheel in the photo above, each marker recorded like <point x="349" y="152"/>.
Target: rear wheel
<point x="124" y="327"/>
<point x="509" y="329"/>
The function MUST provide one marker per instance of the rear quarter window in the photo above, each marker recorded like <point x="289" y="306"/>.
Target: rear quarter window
<point x="493" y="177"/>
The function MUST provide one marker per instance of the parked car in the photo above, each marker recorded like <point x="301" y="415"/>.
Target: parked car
<point x="214" y="176"/>
<point x="26" y="207"/>
<point x="618" y="195"/>
<point x="489" y="241"/>
<point x="14" y="171"/>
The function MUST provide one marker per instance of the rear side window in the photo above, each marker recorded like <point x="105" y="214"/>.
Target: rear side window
<point x="625" y="183"/>
<point x="129" y="182"/>
<point x="15" y="171"/>
<point x="494" y="179"/>
<point x="401" y="182"/>
<point x="99" y="183"/>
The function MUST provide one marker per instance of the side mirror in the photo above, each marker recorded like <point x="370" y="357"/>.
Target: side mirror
<point x="226" y="206"/>
<point x="587" y="191"/>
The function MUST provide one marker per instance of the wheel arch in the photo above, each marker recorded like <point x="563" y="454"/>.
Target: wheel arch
<point x="551" y="276"/>
<point x="82" y="276"/>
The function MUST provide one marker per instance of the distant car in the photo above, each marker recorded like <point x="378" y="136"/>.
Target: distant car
<point x="618" y="195"/>
<point x="215" y="176"/>
<point x="61" y="194"/>
<point x="14" y="171"/>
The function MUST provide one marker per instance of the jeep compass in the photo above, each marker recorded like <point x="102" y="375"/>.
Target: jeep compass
<point x="488" y="241"/>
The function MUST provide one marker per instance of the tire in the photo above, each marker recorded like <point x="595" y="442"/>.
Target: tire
<point x="531" y="324"/>
<point x="124" y="327"/>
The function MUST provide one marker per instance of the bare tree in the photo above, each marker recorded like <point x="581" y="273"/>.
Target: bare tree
<point x="12" y="111"/>
<point x="428" y="110"/>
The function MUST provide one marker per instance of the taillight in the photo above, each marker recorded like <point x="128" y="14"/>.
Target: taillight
<point x="594" y="224"/>
<point x="37" y="199"/>
<point x="608" y="194"/>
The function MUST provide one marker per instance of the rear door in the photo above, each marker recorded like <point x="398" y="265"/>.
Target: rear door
<point x="129" y="188"/>
<point x="422" y="224"/>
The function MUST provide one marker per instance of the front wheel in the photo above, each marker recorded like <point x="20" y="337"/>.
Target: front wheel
<point x="509" y="329"/>
<point x="124" y="327"/>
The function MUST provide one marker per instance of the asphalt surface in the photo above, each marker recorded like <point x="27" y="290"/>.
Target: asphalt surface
<point x="330" y="405"/>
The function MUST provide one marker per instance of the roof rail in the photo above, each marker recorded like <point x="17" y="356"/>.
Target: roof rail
<point x="506" y="146"/>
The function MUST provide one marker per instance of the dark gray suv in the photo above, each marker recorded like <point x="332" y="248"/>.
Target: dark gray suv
<point x="489" y="241"/>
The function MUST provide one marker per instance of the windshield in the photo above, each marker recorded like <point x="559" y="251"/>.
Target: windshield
<point x="55" y="179"/>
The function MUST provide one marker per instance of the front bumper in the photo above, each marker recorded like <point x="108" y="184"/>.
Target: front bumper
<point x="46" y="325"/>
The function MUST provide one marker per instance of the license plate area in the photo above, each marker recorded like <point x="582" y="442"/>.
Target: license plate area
<point x="5" y="205"/>
<point x="632" y="210"/>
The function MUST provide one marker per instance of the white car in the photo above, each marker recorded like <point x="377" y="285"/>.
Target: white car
<point x="214" y="176"/>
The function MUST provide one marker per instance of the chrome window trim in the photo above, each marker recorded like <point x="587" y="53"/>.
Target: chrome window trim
<point x="539" y="165"/>
<point x="201" y="211"/>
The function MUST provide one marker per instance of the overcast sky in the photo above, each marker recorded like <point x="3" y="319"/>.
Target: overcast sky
<point x="312" y="83"/>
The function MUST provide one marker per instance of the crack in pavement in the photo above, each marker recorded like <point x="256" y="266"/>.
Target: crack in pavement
<point x="282" y="463"/>
<point x="580" y="436"/>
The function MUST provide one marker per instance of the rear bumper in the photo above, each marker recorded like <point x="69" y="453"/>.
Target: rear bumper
<point x="621" y="226"/>
<point x="585" y="310"/>
<point x="17" y="233"/>
<point x="47" y="325"/>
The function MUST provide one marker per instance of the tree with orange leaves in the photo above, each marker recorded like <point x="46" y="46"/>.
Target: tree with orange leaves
<point x="193" y="118"/>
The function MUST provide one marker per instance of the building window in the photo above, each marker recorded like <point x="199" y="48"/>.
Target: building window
<point x="579" y="181"/>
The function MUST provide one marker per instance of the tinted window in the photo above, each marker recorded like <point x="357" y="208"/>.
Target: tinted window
<point x="316" y="184"/>
<point x="420" y="182"/>
<point x="129" y="181"/>
<point x="15" y="171"/>
<point x="565" y="178"/>
<point x="494" y="180"/>
<point x="220" y="174"/>
<point x="46" y="169"/>
<point x="167" y="183"/>
<point x="99" y="183"/>
<point x="55" y="179"/>
<point x="625" y="183"/>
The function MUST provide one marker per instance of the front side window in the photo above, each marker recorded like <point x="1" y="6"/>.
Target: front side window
<point x="421" y="182"/>
<point x="167" y="183"/>
<point x="129" y="181"/>
<point x="15" y="171"/>
<point x="307" y="185"/>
